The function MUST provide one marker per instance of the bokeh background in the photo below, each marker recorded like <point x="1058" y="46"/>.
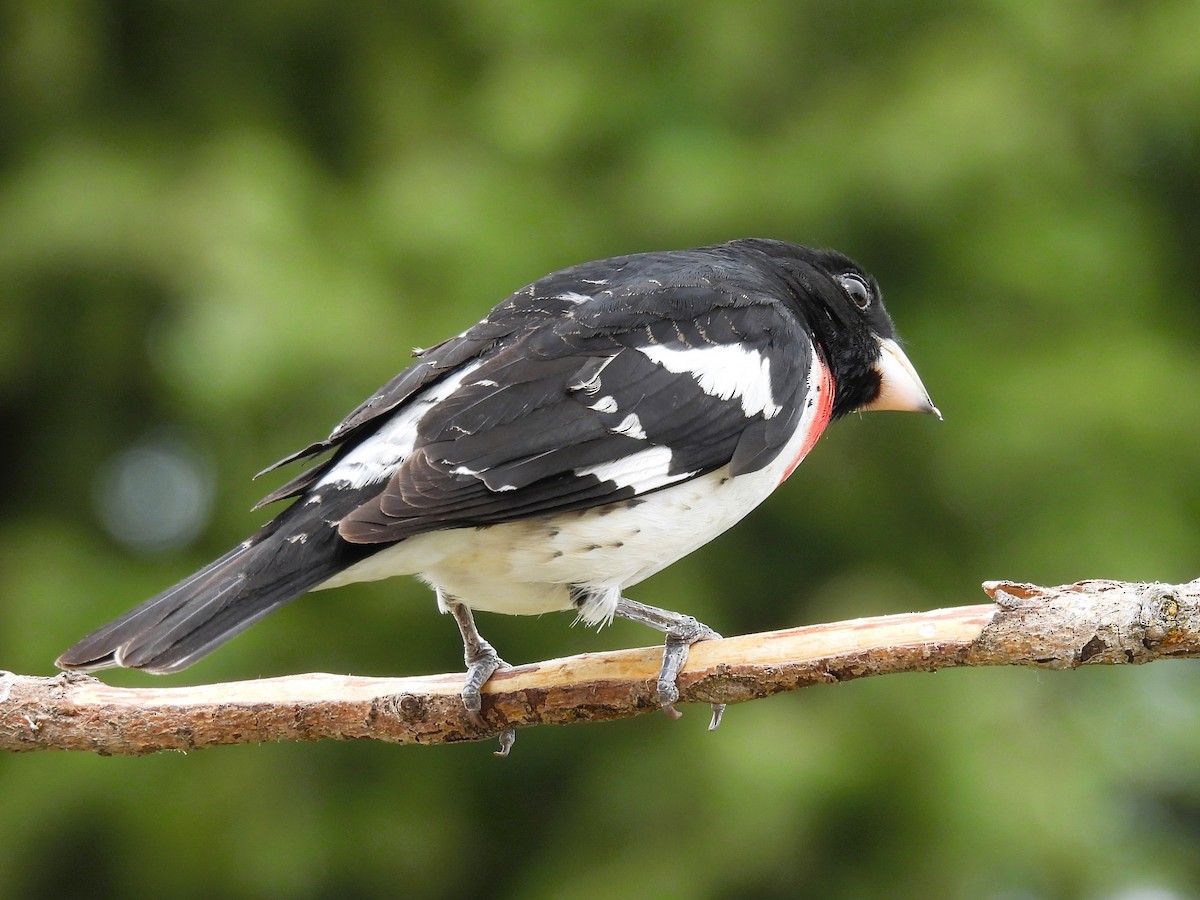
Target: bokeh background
<point x="224" y="224"/>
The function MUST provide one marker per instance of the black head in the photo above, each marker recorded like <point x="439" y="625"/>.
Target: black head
<point x="843" y="307"/>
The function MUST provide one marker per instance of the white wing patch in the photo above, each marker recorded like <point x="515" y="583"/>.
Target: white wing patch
<point x="376" y="458"/>
<point x="643" y="471"/>
<point x="725" y="371"/>
<point x="631" y="426"/>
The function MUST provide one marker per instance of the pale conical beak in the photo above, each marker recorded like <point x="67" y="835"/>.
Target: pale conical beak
<point x="899" y="384"/>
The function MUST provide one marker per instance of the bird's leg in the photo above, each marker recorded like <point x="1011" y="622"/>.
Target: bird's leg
<point x="681" y="631"/>
<point x="481" y="658"/>
<point x="482" y="662"/>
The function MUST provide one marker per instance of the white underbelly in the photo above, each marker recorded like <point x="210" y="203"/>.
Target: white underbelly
<point x="527" y="567"/>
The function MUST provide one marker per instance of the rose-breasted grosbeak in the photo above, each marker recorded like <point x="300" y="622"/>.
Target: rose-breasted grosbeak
<point x="596" y="426"/>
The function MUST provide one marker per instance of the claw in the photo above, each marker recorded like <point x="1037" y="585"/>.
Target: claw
<point x="718" y="710"/>
<point x="668" y="691"/>
<point x="507" y="737"/>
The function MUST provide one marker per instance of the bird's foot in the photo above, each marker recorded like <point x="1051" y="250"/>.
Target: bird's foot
<point x="682" y="631"/>
<point x="481" y="666"/>
<point x="482" y="663"/>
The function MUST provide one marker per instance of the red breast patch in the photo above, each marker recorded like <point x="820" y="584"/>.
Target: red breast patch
<point x="819" y="421"/>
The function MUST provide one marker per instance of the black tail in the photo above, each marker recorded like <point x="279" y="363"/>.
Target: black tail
<point x="190" y="620"/>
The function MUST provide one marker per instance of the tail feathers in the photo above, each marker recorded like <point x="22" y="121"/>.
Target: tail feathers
<point x="188" y="621"/>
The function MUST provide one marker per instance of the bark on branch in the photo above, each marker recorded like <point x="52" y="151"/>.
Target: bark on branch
<point x="1088" y="623"/>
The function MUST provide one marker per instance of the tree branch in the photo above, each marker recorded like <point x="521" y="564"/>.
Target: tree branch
<point x="1092" y="622"/>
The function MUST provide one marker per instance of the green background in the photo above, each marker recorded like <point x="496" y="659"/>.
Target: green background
<point x="222" y="225"/>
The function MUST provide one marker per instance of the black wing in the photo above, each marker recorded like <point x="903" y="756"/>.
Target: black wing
<point x="608" y="395"/>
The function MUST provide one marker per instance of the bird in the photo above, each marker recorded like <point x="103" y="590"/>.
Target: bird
<point x="596" y="426"/>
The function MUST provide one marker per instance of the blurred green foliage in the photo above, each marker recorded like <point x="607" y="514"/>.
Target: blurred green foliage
<point x="222" y="225"/>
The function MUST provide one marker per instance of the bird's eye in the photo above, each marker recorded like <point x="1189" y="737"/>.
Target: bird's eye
<point x="858" y="290"/>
